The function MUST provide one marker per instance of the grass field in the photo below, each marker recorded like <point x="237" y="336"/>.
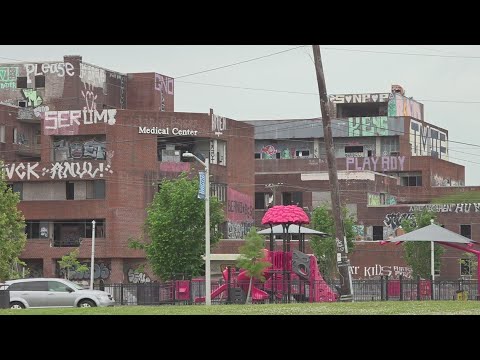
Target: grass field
<point x="359" y="308"/>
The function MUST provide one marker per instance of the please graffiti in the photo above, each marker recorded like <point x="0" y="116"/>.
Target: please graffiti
<point x="384" y="163"/>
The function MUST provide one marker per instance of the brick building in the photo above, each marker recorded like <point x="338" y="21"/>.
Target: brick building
<point x="390" y="162"/>
<point x="83" y="143"/>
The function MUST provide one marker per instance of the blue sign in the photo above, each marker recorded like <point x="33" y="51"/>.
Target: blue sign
<point x="201" y="189"/>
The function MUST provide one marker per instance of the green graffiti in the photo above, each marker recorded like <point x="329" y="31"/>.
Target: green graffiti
<point x="8" y="77"/>
<point x="368" y="126"/>
<point x="33" y="97"/>
<point x="392" y="107"/>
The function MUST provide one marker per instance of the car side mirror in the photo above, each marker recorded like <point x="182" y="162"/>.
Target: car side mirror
<point x="70" y="290"/>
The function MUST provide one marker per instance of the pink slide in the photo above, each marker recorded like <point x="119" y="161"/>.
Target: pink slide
<point x="215" y="293"/>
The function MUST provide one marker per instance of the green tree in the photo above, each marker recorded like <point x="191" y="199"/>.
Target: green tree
<point x="325" y="248"/>
<point x="12" y="231"/>
<point x="175" y="225"/>
<point x="70" y="262"/>
<point x="251" y="259"/>
<point x="417" y="254"/>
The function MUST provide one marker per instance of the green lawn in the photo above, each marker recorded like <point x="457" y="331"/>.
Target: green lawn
<point x="359" y="308"/>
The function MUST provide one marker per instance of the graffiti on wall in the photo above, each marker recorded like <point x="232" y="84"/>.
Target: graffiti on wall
<point x="384" y="163"/>
<point x="438" y="180"/>
<point x="8" y="77"/>
<point x="137" y="277"/>
<point x="40" y="111"/>
<point x="239" y="206"/>
<point x="70" y="120"/>
<point x="100" y="271"/>
<point x="57" y="170"/>
<point x="399" y="105"/>
<point x="164" y="85"/>
<point x="92" y="75"/>
<point x="270" y="152"/>
<point x="61" y="69"/>
<point x="238" y="230"/>
<point x="359" y="231"/>
<point x="428" y="141"/>
<point x="381" y="199"/>
<point x="394" y="220"/>
<point x="368" y="126"/>
<point x="219" y="124"/>
<point x="453" y="208"/>
<point x="392" y="271"/>
<point x="34" y="269"/>
<point x="33" y="97"/>
<point x="70" y="148"/>
<point x="359" y="98"/>
<point x="89" y="97"/>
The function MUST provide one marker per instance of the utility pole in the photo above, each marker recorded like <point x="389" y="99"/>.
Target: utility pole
<point x="341" y="241"/>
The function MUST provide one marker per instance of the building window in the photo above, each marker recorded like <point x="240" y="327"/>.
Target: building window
<point x="292" y="198"/>
<point x="353" y="149"/>
<point x="302" y="153"/>
<point x="263" y="200"/>
<point x="377" y="232"/>
<point x="2" y="133"/>
<point x="466" y="230"/>
<point x="15" y="135"/>
<point x="21" y="82"/>
<point x="18" y="188"/>
<point x="415" y="180"/>
<point x="258" y="156"/>
<point x="39" y="81"/>
<point x="32" y="229"/>
<point x="70" y="190"/>
<point x="222" y="152"/>
<point x="96" y="189"/>
<point x="219" y="191"/>
<point x="466" y="265"/>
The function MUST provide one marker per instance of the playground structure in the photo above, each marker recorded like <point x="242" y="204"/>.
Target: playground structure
<point x="293" y="275"/>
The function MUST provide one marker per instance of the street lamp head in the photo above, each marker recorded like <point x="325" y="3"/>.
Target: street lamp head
<point x="188" y="155"/>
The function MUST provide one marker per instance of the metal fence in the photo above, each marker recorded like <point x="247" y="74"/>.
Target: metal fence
<point x="187" y="292"/>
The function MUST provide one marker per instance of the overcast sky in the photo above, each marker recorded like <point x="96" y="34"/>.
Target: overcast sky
<point x="441" y="81"/>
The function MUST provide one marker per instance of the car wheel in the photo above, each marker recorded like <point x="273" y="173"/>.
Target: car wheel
<point x="86" y="303"/>
<point x="16" y="305"/>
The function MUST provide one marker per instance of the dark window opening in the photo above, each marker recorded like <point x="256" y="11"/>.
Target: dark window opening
<point x="377" y="232"/>
<point x="22" y="103"/>
<point x="18" y="188"/>
<point x="369" y="152"/>
<point x="70" y="190"/>
<point x="258" y="156"/>
<point x="361" y="110"/>
<point x="21" y="82"/>
<point x="69" y="233"/>
<point x="260" y="200"/>
<point x="39" y="81"/>
<point x="466" y="267"/>
<point x="466" y="230"/>
<point x="302" y="153"/>
<point x="96" y="189"/>
<point x="411" y="180"/>
<point x="353" y="149"/>
<point x="292" y="198"/>
<point x="32" y="229"/>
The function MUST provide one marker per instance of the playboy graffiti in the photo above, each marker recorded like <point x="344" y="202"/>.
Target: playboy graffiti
<point x="57" y="170"/>
<point x="384" y="163"/>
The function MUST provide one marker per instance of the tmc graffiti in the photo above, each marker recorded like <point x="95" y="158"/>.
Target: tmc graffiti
<point x="56" y="170"/>
<point x="428" y="141"/>
<point x="384" y="163"/>
<point x="394" y="220"/>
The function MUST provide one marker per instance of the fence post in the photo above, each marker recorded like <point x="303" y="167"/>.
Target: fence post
<point x="386" y="288"/>
<point x="419" y="283"/>
<point x="121" y="294"/>
<point x="401" y="287"/>
<point x="432" y="288"/>
<point x="381" y="288"/>
<point x="174" y="288"/>
<point x="229" y="268"/>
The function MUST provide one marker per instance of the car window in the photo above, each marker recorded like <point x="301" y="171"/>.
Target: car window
<point x="16" y="287"/>
<point x="58" y="286"/>
<point x="35" y="286"/>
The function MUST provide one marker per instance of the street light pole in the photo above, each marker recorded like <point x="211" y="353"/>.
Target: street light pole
<point x="92" y="261"/>
<point x="208" y="284"/>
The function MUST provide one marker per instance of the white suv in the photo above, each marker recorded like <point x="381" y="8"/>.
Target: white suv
<point x="46" y="292"/>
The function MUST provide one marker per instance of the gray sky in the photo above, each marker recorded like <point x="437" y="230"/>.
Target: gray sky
<point x="443" y="75"/>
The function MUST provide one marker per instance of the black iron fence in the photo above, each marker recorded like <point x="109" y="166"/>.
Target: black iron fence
<point x="187" y="292"/>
